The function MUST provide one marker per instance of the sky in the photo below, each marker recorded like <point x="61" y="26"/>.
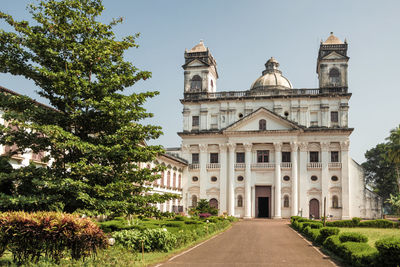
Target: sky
<point x="242" y="36"/>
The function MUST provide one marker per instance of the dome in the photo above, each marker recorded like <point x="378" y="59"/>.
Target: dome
<point x="332" y="39"/>
<point x="271" y="78"/>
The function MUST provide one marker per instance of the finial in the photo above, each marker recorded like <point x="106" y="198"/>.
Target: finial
<point x="201" y="41"/>
<point x="331" y="33"/>
<point x="345" y="40"/>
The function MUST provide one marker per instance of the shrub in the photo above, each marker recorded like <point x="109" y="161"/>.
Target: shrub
<point x="179" y="218"/>
<point x="332" y="243"/>
<point x="353" y="237"/>
<point x="129" y="239"/>
<point x="312" y="225"/>
<point x="295" y="225"/>
<point x="356" y="221"/>
<point x="341" y="223"/>
<point x="193" y="222"/>
<point x="389" y="251"/>
<point x="325" y="232"/>
<point x="30" y="235"/>
<point x="294" y="218"/>
<point x="379" y="223"/>
<point x="358" y="254"/>
<point x="178" y="224"/>
<point x="204" y="215"/>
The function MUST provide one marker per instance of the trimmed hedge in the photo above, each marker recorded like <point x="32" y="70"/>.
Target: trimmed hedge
<point x="353" y="237"/>
<point x="28" y="236"/>
<point x="332" y="243"/>
<point x="389" y="251"/>
<point x="326" y="232"/>
<point x="358" y="254"/>
<point x="379" y="223"/>
<point x="340" y="223"/>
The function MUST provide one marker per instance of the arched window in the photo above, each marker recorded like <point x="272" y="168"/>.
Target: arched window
<point x="174" y="181"/>
<point x="262" y="124"/>
<point x="335" y="202"/>
<point x="194" y="201"/>
<point x="168" y="178"/>
<point x="214" y="203"/>
<point x="195" y="83"/>
<point x="334" y="76"/>
<point x="162" y="179"/>
<point x="179" y="181"/>
<point x="240" y="201"/>
<point x="286" y="201"/>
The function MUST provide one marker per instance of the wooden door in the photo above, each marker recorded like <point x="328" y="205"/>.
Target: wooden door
<point x="314" y="208"/>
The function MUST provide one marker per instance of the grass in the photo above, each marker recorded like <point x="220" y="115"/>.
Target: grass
<point x="114" y="256"/>
<point x="373" y="234"/>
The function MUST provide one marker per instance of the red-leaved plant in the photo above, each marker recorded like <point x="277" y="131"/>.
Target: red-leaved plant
<point x="28" y="236"/>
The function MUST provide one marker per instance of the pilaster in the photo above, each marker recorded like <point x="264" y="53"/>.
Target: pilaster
<point x="247" y="147"/>
<point x="278" y="155"/>
<point x="295" y="180"/>
<point x="303" y="201"/>
<point x="231" y="179"/>
<point x="223" y="179"/>
<point x="325" y="172"/>
<point x="346" y="184"/>
<point x="203" y="170"/>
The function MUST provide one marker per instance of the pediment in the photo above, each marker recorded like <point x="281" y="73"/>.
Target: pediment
<point x="274" y="122"/>
<point x="334" y="55"/>
<point x="213" y="190"/>
<point x="196" y="63"/>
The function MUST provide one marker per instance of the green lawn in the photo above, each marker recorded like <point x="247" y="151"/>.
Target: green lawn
<point x="373" y="234"/>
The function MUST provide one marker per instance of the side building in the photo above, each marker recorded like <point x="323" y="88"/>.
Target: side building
<point x="272" y="151"/>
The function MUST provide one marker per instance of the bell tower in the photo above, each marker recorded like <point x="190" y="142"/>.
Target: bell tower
<point x="332" y="63"/>
<point x="200" y="70"/>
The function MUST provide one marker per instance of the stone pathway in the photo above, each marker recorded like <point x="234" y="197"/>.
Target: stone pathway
<point x="255" y="242"/>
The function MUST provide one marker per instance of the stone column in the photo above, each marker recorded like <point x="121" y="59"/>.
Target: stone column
<point x="185" y="176"/>
<point x="223" y="179"/>
<point x="203" y="170"/>
<point x="253" y="195"/>
<point x="278" y="156"/>
<point x="231" y="179"/>
<point x="346" y="192"/>
<point x="325" y="174"/>
<point x="247" y="188"/>
<point x="303" y="179"/>
<point x="295" y="181"/>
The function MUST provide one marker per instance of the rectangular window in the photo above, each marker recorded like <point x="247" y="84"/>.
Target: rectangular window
<point x="334" y="156"/>
<point x="240" y="157"/>
<point x="213" y="157"/>
<point x="195" y="158"/>
<point x="262" y="156"/>
<point x="286" y="157"/>
<point x="195" y="121"/>
<point x="314" y="156"/>
<point x="313" y="119"/>
<point x="334" y="116"/>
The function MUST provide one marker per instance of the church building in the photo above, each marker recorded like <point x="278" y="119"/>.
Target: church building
<point x="272" y="151"/>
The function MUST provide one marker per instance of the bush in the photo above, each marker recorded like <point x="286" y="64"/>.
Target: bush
<point x="294" y="218"/>
<point x="358" y="254"/>
<point x="326" y="232"/>
<point x="379" y="223"/>
<point x="193" y="222"/>
<point x="153" y="239"/>
<point x="179" y="218"/>
<point x="204" y="215"/>
<point x="30" y="235"/>
<point x="353" y="237"/>
<point x="341" y="223"/>
<point x="356" y="221"/>
<point x="389" y="251"/>
<point x="295" y="225"/>
<point x="178" y="224"/>
<point x="332" y="243"/>
<point x="311" y="233"/>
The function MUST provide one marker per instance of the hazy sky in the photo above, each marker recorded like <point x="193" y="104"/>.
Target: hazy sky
<point x="242" y="35"/>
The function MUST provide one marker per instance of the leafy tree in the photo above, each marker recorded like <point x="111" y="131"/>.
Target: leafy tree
<point x="379" y="171"/>
<point x="394" y="201"/>
<point x="93" y="136"/>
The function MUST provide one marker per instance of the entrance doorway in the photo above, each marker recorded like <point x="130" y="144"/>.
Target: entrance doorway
<point x="314" y="208"/>
<point x="263" y="207"/>
<point x="262" y="202"/>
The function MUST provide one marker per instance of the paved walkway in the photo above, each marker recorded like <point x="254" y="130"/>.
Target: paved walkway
<point x="253" y="243"/>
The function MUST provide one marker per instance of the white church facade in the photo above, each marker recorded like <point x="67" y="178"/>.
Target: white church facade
<point x="272" y="151"/>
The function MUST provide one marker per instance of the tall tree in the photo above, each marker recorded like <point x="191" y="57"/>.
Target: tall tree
<point x="380" y="172"/>
<point x="93" y="136"/>
<point x="394" y="152"/>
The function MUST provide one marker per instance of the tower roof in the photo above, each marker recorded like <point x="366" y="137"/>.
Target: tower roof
<point x="198" y="48"/>
<point x="332" y="39"/>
